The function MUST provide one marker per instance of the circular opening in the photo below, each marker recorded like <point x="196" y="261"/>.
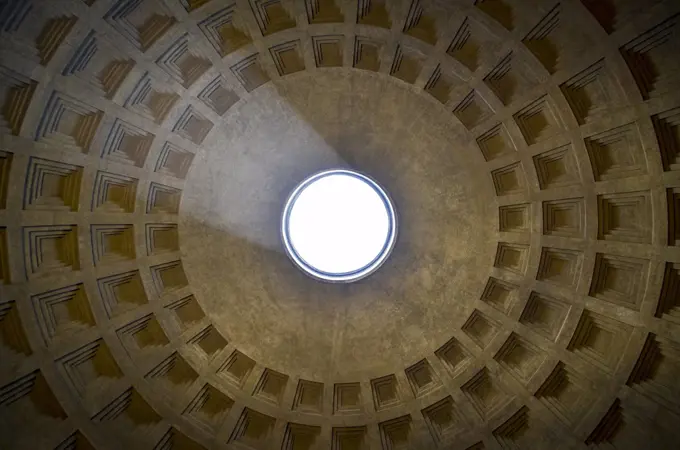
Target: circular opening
<point x="339" y="226"/>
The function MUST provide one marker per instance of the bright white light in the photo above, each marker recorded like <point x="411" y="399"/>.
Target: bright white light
<point x="339" y="226"/>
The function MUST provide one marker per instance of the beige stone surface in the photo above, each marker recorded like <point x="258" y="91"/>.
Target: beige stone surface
<point x="230" y="235"/>
<point x="532" y="151"/>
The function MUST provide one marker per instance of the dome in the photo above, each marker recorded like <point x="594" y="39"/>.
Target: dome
<point x="529" y="151"/>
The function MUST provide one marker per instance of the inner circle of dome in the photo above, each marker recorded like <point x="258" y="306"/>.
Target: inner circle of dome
<point x="322" y="328"/>
<point x="338" y="225"/>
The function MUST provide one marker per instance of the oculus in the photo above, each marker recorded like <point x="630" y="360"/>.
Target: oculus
<point x="338" y="226"/>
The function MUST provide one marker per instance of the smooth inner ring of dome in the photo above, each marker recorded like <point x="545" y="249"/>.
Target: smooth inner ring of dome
<point x="338" y="225"/>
